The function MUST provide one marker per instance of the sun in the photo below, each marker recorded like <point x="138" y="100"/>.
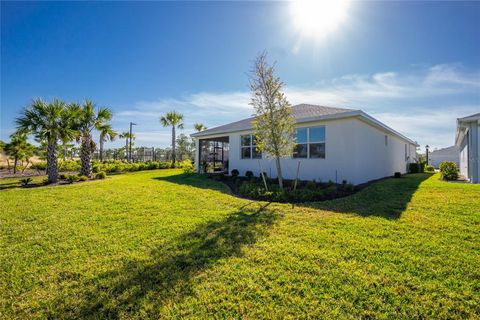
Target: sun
<point x="316" y="19"/>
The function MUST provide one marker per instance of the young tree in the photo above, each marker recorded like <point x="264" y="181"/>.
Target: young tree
<point x="273" y="124"/>
<point x="19" y="149"/>
<point x="106" y="132"/>
<point x="89" y="119"/>
<point x="49" y="122"/>
<point x="185" y="147"/>
<point x="199" y="127"/>
<point x="175" y="120"/>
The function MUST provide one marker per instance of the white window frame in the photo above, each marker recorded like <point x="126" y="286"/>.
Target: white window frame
<point x="308" y="143"/>
<point x="252" y="147"/>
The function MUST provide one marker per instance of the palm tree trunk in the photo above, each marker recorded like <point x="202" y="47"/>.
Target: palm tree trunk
<point x="173" y="147"/>
<point x="126" y="148"/>
<point x="279" y="172"/>
<point x="52" y="168"/>
<point x="101" y="148"/>
<point x="86" y="157"/>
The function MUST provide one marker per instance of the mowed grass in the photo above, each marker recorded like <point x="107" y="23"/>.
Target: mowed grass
<point x="158" y="244"/>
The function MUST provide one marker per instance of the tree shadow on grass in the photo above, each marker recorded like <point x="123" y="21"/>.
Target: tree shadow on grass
<point x="166" y="276"/>
<point x="387" y="198"/>
<point x="195" y="180"/>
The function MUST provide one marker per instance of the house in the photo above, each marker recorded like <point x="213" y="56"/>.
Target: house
<point x="446" y="154"/>
<point x="467" y="139"/>
<point x="332" y="144"/>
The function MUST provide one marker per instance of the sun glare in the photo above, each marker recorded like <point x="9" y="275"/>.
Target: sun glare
<point x="318" y="18"/>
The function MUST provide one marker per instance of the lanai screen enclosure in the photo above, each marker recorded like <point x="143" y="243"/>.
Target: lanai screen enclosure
<point x="213" y="155"/>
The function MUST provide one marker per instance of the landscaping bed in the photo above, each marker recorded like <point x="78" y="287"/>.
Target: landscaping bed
<point x="251" y="187"/>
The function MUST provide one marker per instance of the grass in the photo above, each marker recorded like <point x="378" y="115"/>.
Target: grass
<point x="159" y="244"/>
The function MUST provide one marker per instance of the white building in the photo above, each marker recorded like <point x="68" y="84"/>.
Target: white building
<point x="446" y="154"/>
<point x="332" y="144"/>
<point x="468" y="141"/>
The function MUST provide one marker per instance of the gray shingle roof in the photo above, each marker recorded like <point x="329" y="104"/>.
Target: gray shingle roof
<point x="299" y="112"/>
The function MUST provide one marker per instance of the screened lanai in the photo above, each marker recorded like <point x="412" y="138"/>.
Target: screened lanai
<point x="213" y="155"/>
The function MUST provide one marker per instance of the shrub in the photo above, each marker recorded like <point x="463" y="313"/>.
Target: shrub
<point x="311" y="185"/>
<point x="249" y="174"/>
<point x="82" y="178"/>
<point x="235" y="173"/>
<point x="429" y="169"/>
<point x="39" y="166"/>
<point x="397" y="175"/>
<point x="416" y="167"/>
<point x="26" y="181"/>
<point x="449" y="170"/>
<point x="71" y="178"/>
<point x="101" y="175"/>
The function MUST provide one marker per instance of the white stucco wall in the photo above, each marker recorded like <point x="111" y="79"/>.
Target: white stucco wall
<point x="355" y="151"/>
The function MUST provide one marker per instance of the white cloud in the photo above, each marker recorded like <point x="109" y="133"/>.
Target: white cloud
<point x="422" y="104"/>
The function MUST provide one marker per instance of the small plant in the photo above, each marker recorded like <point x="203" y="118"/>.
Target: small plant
<point x="429" y="169"/>
<point x="449" y="170"/>
<point x="249" y="174"/>
<point x="82" y="178"/>
<point x="235" y="173"/>
<point x="25" y="181"/>
<point x="101" y="175"/>
<point x="397" y="175"/>
<point x="63" y="176"/>
<point x="188" y="169"/>
<point x="71" y="178"/>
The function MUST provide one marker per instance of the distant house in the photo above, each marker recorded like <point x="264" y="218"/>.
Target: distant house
<point x="445" y="154"/>
<point x="332" y="144"/>
<point x="467" y="139"/>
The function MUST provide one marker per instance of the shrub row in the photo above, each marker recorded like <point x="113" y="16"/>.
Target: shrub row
<point x="116" y="166"/>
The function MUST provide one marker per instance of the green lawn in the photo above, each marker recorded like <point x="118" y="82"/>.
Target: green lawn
<point x="159" y="244"/>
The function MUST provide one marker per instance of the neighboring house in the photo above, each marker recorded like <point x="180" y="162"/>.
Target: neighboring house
<point x="467" y="139"/>
<point x="332" y="144"/>
<point x="445" y="154"/>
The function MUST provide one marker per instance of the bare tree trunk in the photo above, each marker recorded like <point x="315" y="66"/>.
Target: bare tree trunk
<point x="15" y="163"/>
<point x="279" y="172"/>
<point x="52" y="167"/>
<point x="173" y="147"/>
<point x="86" y="157"/>
<point x="8" y="165"/>
<point x="25" y="167"/>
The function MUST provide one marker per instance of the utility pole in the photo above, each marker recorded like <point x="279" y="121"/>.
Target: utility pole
<point x="130" y="149"/>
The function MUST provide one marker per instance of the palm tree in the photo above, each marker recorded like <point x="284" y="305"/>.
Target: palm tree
<point x="88" y="120"/>
<point x="49" y="122"/>
<point x="175" y="120"/>
<point x="106" y="132"/>
<point x="126" y="135"/>
<point x="199" y="127"/>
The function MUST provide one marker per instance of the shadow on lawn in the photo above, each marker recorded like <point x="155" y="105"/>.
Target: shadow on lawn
<point x="195" y="180"/>
<point x="166" y="277"/>
<point x="387" y="198"/>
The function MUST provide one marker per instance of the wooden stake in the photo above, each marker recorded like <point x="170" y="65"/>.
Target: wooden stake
<point x="263" y="176"/>
<point x="296" y="177"/>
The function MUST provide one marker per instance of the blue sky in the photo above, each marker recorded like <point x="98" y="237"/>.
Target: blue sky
<point x="413" y="65"/>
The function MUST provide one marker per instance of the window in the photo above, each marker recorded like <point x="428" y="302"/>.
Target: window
<point x="386" y="140"/>
<point x="406" y="157"/>
<point x="248" y="150"/>
<point x="310" y="143"/>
